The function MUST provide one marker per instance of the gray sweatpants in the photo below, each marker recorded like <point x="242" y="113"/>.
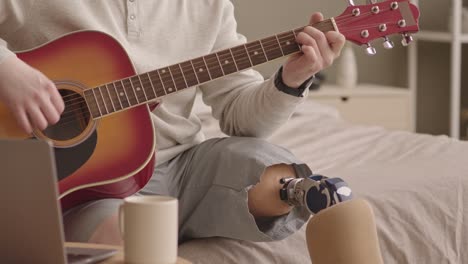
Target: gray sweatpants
<point x="211" y="181"/>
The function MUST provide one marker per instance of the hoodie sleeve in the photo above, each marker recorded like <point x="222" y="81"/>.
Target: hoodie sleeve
<point x="245" y="103"/>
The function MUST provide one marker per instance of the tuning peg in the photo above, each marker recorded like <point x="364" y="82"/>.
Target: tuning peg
<point x="407" y="39"/>
<point x="388" y="44"/>
<point x="351" y="3"/>
<point x="370" y="50"/>
<point x="371" y="2"/>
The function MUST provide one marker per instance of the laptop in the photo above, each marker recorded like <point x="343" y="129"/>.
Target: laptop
<point x="31" y="228"/>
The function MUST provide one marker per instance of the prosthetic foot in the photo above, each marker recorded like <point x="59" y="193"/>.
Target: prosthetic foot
<point x="315" y="192"/>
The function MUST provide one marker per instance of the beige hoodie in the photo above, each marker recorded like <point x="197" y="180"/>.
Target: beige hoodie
<point x="158" y="33"/>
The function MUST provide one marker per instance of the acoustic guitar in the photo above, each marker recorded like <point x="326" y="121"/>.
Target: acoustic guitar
<point x="104" y="142"/>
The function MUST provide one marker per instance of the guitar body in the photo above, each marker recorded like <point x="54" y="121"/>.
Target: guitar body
<point x="112" y="156"/>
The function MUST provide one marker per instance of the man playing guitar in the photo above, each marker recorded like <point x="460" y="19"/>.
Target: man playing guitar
<point x="199" y="173"/>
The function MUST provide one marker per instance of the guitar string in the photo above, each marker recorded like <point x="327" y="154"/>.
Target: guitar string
<point x="281" y="38"/>
<point x="264" y="41"/>
<point x="168" y="78"/>
<point x="210" y="63"/>
<point x="110" y="98"/>
<point x="317" y="25"/>
<point x="213" y="61"/>
<point x="70" y="116"/>
<point x="114" y="109"/>
<point x="137" y="98"/>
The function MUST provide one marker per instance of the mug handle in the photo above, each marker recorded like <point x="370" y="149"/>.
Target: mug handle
<point x="121" y="220"/>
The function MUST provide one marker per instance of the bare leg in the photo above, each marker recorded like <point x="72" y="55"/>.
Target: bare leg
<point x="344" y="234"/>
<point x="264" y="199"/>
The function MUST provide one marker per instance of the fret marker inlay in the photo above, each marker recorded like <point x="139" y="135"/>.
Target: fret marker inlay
<point x="122" y="94"/>
<point x="200" y="70"/>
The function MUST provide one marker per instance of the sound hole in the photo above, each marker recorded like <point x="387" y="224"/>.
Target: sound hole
<point x="74" y="119"/>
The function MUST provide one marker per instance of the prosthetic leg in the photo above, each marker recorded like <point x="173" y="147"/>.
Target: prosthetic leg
<point x="342" y="230"/>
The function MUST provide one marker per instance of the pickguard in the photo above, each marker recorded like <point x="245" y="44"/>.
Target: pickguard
<point x="70" y="159"/>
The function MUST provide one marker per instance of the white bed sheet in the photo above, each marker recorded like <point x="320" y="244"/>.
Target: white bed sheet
<point x="417" y="185"/>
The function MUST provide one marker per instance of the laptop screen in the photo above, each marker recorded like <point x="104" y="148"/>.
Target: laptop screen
<point x="31" y="222"/>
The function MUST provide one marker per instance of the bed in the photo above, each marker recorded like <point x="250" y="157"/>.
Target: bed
<point x="417" y="185"/>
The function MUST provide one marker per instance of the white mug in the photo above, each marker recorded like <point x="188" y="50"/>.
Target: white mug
<point x="149" y="227"/>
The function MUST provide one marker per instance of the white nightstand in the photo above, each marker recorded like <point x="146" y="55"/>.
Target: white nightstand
<point x="369" y="104"/>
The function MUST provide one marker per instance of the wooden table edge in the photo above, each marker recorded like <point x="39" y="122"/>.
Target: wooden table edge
<point x="116" y="259"/>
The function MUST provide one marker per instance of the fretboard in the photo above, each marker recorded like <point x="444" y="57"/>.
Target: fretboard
<point x="143" y="88"/>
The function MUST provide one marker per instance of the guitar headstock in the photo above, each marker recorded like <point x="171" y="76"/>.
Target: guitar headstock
<point x="361" y="24"/>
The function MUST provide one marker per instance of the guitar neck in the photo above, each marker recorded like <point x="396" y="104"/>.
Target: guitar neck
<point x="143" y="88"/>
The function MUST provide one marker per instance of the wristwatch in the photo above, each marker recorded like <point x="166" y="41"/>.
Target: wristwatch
<point x="289" y="90"/>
